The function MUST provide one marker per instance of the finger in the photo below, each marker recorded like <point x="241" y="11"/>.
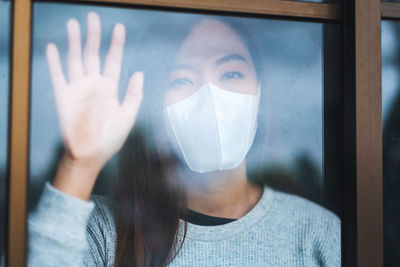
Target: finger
<point x="133" y="97"/>
<point x="56" y="74"/>
<point x="112" y="67"/>
<point x="74" y="62"/>
<point x="91" y="53"/>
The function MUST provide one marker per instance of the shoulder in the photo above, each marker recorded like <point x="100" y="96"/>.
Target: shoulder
<point x="299" y="215"/>
<point x="317" y="228"/>
<point x="301" y="209"/>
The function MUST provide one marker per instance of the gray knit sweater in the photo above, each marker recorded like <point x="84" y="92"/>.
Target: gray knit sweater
<point x="281" y="230"/>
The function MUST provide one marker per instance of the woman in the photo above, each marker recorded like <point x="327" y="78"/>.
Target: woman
<point x="183" y="197"/>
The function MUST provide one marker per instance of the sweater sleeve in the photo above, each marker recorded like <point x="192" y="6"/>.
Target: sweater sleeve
<point x="57" y="230"/>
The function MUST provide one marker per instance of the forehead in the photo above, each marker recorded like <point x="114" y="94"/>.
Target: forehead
<point x="210" y="38"/>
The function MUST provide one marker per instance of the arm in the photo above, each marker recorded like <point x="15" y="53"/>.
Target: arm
<point x="57" y="230"/>
<point x="62" y="223"/>
<point x="94" y="125"/>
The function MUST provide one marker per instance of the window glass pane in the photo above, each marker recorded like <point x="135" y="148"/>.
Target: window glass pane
<point x="391" y="144"/>
<point x="232" y="116"/>
<point x="4" y="94"/>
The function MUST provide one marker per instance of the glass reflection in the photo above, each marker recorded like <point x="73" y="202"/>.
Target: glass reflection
<point x="4" y="91"/>
<point x="391" y="131"/>
<point x="223" y="110"/>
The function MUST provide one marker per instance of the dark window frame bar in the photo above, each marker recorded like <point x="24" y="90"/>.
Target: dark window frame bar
<point x="363" y="214"/>
<point x="362" y="130"/>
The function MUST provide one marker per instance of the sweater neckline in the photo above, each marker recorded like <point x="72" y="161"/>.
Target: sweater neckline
<point x="227" y="230"/>
<point x="198" y="218"/>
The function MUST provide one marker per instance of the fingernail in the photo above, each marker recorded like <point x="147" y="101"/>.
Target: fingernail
<point x="93" y="16"/>
<point x="119" y="27"/>
<point x="72" y="24"/>
<point x="51" y="48"/>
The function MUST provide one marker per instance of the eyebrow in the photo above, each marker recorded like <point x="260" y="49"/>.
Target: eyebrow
<point x="231" y="57"/>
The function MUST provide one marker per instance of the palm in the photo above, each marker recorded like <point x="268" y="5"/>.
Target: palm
<point x="94" y="124"/>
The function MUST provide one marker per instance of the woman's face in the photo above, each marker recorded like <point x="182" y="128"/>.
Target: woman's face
<point x="211" y="53"/>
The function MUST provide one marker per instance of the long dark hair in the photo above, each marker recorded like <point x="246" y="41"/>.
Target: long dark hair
<point x="149" y="198"/>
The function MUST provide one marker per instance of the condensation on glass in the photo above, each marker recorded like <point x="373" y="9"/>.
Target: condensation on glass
<point x="391" y="140"/>
<point x="293" y="70"/>
<point x="274" y="76"/>
<point x="4" y="96"/>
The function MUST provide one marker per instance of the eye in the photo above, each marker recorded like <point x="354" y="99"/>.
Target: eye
<point x="180" y="82"/>
<point x="232" y="75"/>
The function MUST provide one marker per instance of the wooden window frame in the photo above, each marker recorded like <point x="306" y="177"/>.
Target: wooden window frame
<point x="362" y="226"/>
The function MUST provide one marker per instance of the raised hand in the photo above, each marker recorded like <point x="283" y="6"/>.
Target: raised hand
<point x="94" y="124"/>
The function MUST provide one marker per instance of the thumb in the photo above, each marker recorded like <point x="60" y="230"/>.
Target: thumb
<point x="133" y="96"/>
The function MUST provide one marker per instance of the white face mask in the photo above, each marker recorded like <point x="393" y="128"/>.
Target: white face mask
<point x="213" y="129"/>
